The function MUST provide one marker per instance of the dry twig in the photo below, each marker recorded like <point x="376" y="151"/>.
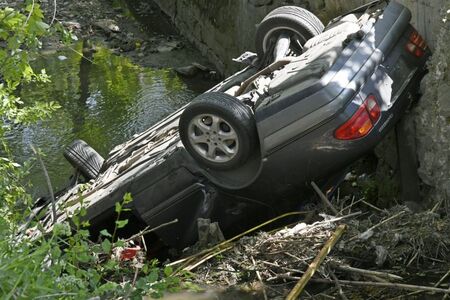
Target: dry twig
<point x="369" y="272"/>
<point x="338" y="285"/>
<point x="206" y="258"/>
<point x="260" y="279"/>
<point x="324" y="199"/>
<point x="148" y="230"/>
<point x="378" y="225"/>
<point x="49" y="183"/>
<point x="54" y="13"/>
<point x="435" y="285"/>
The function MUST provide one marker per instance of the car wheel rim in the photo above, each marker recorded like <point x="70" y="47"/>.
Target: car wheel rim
<point x="213" y="138"/>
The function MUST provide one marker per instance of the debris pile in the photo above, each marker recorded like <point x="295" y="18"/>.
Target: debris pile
<point x="378" y="252"/>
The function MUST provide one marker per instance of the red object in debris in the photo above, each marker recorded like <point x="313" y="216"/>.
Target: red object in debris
<point x="129" y="253"/>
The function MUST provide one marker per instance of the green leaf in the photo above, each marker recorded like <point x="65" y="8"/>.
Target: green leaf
<point x="105" y="232"/>
<point x="121" y="223"/>
<point x="106" y="246"/>
<point x="153" y="276"/>
<point x="127" y="198"/>
<point x="118" y="207"/>
<point x="83" y="212"/>
<point x="120" y="243"/>
<point x="168" y="271"/>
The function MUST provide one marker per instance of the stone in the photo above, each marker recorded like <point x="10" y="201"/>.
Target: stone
<point x="168" y="46"/>
<point x="71" y="25"/>
<point x="187" y="71"/>
<point x="107" y="25"/>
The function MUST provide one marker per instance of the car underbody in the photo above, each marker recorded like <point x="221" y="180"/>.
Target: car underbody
<point x="293" y="113"/>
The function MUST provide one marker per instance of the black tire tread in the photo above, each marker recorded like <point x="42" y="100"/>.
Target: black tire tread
<point x="293" y="16"/>
<point x="300" y="13"/>
<point x="84" y="158"/>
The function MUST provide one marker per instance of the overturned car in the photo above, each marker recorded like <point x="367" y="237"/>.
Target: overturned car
<point x="312" y="100"/>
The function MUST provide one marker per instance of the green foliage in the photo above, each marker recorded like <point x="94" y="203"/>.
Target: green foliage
<point x="68" y="265"/>
<point x="63" y="263"/>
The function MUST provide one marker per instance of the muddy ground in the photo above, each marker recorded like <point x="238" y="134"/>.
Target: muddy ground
<point x="135" y="29"/>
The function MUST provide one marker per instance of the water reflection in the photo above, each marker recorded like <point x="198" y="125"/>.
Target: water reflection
<point x="104" y="99"/>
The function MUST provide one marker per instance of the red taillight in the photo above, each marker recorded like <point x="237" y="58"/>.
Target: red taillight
<point x="416" y="44"/>
<point x="373" y="108"/>
<point x="361" y="122"/>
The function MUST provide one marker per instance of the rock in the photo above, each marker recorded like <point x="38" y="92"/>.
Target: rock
<point x="107" y="25"/>
<point x="208" y="233"/>
<point x="200" y="67"/>
<point x="168" y="46"/>
<point x="191" y="70"/>
<point x="164" y="48"/>
<point x="62" y="57"/>
<point x="188" y="71"/>
<point x="71" y="25"/>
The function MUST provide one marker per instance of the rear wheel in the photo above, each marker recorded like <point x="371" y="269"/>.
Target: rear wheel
<point x="218" y="130"/>
<point x="296" y="22"/>
<point x="84" y="158"/>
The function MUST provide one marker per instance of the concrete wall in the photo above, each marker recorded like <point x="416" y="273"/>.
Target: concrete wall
<point x="432" y="114"/>
<point x="426" y="17"/>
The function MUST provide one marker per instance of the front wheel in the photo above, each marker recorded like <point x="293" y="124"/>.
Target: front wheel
<point x="296" y="22"/>
<point x="218" y="130"/>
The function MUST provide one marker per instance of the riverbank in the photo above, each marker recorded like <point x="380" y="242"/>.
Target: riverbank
<point x="135" y="29"/>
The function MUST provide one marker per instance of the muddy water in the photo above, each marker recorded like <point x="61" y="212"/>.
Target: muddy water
<point x="105" y="99"/>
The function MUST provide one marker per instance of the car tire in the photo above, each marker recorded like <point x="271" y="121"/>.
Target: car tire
<point x="218" y="130"/>
<point x="292" y="19"/>
<point x="84" y="158"/>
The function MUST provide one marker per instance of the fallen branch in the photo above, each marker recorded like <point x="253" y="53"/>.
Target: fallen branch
<point x="400" y="286"/>
<point x="435" y="285"/>
<point x="368" y="272"/>
<point x="298" y="288"/>
<point x="324" y="198"/>
<point x="148" y="230"/>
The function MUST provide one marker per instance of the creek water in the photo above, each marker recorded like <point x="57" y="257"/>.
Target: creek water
<point x="105" y="99"/>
